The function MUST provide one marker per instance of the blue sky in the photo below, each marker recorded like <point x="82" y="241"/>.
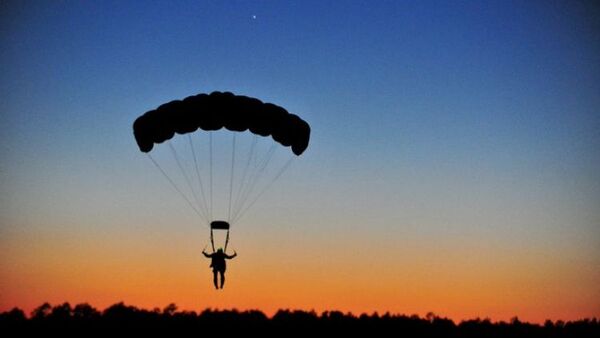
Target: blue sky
<point x="471" y="117"/>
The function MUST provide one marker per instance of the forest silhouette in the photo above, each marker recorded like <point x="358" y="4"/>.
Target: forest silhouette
<point x="121" y="319"/>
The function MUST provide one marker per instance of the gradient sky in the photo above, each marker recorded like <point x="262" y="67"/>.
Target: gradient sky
<point x="453" y="167"/>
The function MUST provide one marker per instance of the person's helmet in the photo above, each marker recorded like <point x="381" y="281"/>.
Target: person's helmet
<point x="220" y="250"/>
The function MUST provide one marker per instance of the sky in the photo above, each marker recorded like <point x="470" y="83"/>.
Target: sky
<point x="452" y="168"/>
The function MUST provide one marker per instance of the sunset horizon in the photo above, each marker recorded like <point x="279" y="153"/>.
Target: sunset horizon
<point x="403" y="157"/>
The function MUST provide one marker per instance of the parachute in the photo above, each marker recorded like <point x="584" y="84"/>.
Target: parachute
<point x="209" y="114"/>
<point x="218" y="110"/>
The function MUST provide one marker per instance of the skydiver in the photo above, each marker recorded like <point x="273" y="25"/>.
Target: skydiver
<point x="218" y="264"/>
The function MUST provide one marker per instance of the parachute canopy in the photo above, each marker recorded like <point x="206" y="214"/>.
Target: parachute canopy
<point x="217" y="110"/>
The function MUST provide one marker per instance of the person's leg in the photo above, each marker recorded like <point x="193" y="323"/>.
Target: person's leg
<point x="215" y="279"/>
<point x="222" y="278"/>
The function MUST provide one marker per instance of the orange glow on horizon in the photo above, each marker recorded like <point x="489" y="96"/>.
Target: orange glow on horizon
<point x="350" y="280"/>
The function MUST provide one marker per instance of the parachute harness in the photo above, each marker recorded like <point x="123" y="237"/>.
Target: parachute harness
<point x="219" y="225"/>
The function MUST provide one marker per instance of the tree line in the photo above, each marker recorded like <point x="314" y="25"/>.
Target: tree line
<point x="121" y="319"/>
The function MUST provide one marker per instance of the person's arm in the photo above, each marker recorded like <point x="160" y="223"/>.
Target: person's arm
<point x="206" y="255"/>
<point x="232" y="256"/>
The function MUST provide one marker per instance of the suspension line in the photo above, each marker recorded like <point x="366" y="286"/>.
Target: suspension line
<point x="231" y="176"/>
<point x="183" y="172"/>
<point x="176" y="188"/>
<point x="281" y="171"/>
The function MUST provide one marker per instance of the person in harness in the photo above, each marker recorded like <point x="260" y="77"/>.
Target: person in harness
<point x="217" y="263"/>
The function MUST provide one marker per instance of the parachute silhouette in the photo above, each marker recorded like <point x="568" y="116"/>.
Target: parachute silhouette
<point x="208" y="113"/>
<point x="218" y="110"/>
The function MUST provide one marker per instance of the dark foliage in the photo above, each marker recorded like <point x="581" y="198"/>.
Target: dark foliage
<point x="120" y="320"/>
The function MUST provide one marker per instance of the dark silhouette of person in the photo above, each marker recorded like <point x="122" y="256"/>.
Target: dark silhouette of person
<point x="218" y="264"/>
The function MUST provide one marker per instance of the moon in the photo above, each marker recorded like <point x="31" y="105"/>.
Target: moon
<point x="253" y="17"/>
